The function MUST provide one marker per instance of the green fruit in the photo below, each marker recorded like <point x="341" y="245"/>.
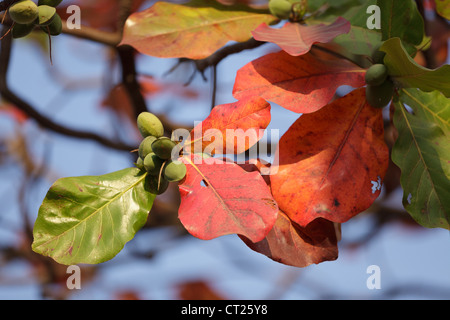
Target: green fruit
<point x="51" y="3"/>
<point x="152" y="164"/>
<point x="139" y="163"/>
<point x="156" y="185"/>
<point x="149" y="125"/>
<point x="376" y="74"/>
<point x="174" y="171"/>
<point x="377" y="55"/>
<point x="299" y="9"/>
<point x="23" y="12"/>
<point x="162" y="147"/>
<point x="280" y="8"/>
<point x="146" y="146"/>
<point x="22" y="30"/>
<point x="55" y="27"/>
<point x="379" y="96"/>
<point x="46" y="15"/>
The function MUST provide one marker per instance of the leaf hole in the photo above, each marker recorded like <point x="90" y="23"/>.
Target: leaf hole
<point x="203" y="183"/>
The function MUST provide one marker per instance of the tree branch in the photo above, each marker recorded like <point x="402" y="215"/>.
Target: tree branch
<point x="42" y="120"/>
<point x="213" y="60"/>
<point x="128" y="63"/>
<point x="219" y="55"/>
<point x="88" y="33"/>
<point x="5" y="4"/>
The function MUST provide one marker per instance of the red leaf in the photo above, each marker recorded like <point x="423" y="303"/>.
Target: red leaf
<point x="231" y="128"/>
<point x="331" y="162"/>
<point x="290" y="244"/>
<point x="297" y="39"/>
<point x="222" y="198"/>
<point x="297" y="246"/>
<point x="301" y="84"/>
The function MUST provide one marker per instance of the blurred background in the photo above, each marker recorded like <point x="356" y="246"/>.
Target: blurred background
<point x="81" y="91"/>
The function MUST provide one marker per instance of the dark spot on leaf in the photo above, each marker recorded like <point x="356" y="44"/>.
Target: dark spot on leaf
<point x="336" y="202"/>
<point x="270" y="202"/>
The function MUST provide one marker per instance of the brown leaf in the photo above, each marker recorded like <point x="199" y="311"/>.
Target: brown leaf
<point x="290" y="244"/>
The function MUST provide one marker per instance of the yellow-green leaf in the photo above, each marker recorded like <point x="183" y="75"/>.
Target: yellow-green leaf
<point x="404" y="70"/>
<point x="443" y="8"/>
<point x="193" y="30"/>
<point x="422" y="152"/>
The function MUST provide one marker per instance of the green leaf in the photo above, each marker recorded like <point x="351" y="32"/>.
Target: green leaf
<point x="443" y="8"/>
<point x="422" y="152"/>
<point x="193" y="30"/>
<point x="89" y="219"/>
<point x="401" y="19"/>
<point x="405" y="71"/>
<point x="360" y="40"/>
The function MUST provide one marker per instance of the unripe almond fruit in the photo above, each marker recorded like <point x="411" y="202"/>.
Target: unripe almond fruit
<point x="153" y="164"/>
<point x="149" y="125"/>
<point x="379" y="96"/>
<point x="376" y="74"/>
<point x="22" y="30"/>
<point x="156" y="185"/>
<point x="145" y="147"/>
<point x="162" y="147"/>
<point x="23" y="12"/>
<point x="174" y="171"/>
<point x="46" y="15"/>
<point x="55" y="27"/>
<point x="280" y="8"/>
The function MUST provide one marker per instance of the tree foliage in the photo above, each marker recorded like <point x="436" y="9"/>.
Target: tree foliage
<point x="331" y="163"/>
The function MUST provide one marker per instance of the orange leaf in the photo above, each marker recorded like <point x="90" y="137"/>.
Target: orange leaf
<point x="231" y="128"/>
<point x="331" y="162"/>
<point x="301" y="84"/>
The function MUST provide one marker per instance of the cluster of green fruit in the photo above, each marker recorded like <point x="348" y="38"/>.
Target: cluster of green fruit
<point x="27" y="15"/>
<point x="155" y="153"/>
<point x="380" y="88"/>
<point x="288" y="9"/>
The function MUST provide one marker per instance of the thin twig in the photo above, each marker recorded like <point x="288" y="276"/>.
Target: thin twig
<point x="213" y="60"/>
<point x="214" y="86"/>
<point x="5" y="4"/>
<point x="42" y="120"/>
<point x="87" y="33"/>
